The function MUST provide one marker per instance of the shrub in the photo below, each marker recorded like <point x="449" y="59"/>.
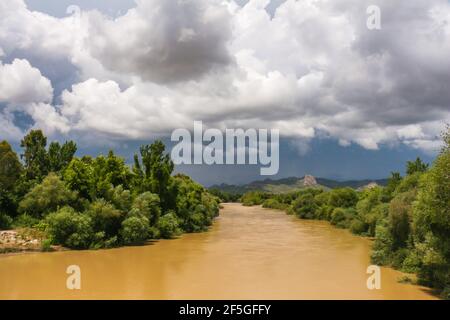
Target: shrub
<point x="105" y="217"/>
<point x="168" y="226"/>
<point x="148" y="205"/>
<point x="70" y="228"/>
<point x="25" y="221"/>
<point x="343" y="198"/>
<point x="358" y="227"/>
<point x="305" y="207"/>
<point x="120" y="198"/>
<point x="134" y="229"/>
<point x="5" y="221"/>
<point x="382" y="246"/>
<point x="337" y="216"/>
<point x="274" y="204"/>
<point x="47" y="197"/>
<point x="399" y="219"/>
<point x="252" y="198"/>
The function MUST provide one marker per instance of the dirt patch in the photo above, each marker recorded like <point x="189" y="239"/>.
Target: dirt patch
<point x="24" y="240"/>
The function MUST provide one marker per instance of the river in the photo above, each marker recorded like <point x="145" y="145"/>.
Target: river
<point x="249" y="253"/>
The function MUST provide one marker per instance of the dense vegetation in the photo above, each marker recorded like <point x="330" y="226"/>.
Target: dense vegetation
<point x="98" y="202"/>
<point x="409" y="219"/>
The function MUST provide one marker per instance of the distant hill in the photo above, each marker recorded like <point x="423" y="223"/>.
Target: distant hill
<point x="295" y="183"/>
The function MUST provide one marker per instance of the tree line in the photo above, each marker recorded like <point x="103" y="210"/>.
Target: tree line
<point x="100" y="202"/>
<point x="409" y="219"/>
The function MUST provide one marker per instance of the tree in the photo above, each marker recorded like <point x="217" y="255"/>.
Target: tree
<point x="47" y="197"/>
<point x="10" y="166"/>
<point x="154" y="174"/>
<point x="79" y="176"/>
<point x="10" y="172"/>
<point x="343" y="198"/>
<point x="105" y="218"/>
<point x="59" y="156"/>
<point x="305" y="207"/>
<point x="35" y="155"/>
<point x="109" y="171"/>
<point x="416" y="166"/>
<point x="399" y="218"/>
<point x="147" y="205"/>
<point x="431" y="221"/>
<point x="393" y="182"/>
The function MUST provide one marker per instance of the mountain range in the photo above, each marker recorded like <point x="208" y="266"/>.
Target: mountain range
<point x="295" y="183"/>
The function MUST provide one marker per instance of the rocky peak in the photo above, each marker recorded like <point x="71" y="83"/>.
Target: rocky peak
<point x="309" y="181"/>
<point x="369" y="186"/>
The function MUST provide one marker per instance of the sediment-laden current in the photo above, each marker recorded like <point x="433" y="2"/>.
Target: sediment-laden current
<point x="249" y="253"/>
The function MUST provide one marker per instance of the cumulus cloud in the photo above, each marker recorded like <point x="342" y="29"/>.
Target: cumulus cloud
<point x="163" y="41"/>
<point x="20" y="83"/>
<point x="310" y="69"/>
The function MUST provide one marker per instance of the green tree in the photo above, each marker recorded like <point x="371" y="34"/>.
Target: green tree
<point x="431" y="221"/>
<point x="154" y="175"/>
<point x="147" y="205"/>
<point x="10" y="166"/>
<point x="400" y="212"/>
<point x="109" y="171"/>
<point x="305" y="207"/>
<point x="47" y="197"/>
<point x="105" y="218"/>
<point x="10" y="172"/>
<point x="35" y="155"/>
<point x="59" y="156"/>
<point x="343" y="198"/>
<point x="79" y="176"/>
<point x="416" y="166"/>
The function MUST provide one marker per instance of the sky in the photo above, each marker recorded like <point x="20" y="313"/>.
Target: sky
<point x="350" y="102"/>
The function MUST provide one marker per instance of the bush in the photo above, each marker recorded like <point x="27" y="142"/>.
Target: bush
<point x="382" y="246"/>
<point x="274" y="204"/>
<point x="399" y="219"/>
<point x="5" y="221"/>
<point x="305" y="207"/>
<point x="168" y="226"/>
<point x="252" y="198"/>
<point x="358" y="227"/>
<point x="105" y="218"/>
<point x="337" y="216"/>
<point x="25" y="221"/>
<point x="135" y="230"/>
<point x="148" y="205"/>
<point x="343" y="198"/>
<point x="70" y="228"/>
<point x="47" y="197"/>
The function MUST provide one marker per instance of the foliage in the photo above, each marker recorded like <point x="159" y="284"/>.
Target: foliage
<point x="168" y="226"/>
<point x="10" y="167"/>
<point x="5" y="221"/>
<point x="154" y="174"/>
<point x="135" y="229"/>
<point x="47" y="197"/>
<point x="147" y="205"/>
<point x="417" y="166"/>
<point x="252" y="198"/>
<point x="105" y="218"/>
<point x="70" y="228"/>
<point x="431" y="215"/>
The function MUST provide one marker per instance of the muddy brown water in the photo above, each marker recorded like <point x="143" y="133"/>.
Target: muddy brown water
<point x="249" y="253"/>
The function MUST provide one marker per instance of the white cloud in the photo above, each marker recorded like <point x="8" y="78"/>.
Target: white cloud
<point x="20" y="83"/>
<point x="312" y="67"/>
